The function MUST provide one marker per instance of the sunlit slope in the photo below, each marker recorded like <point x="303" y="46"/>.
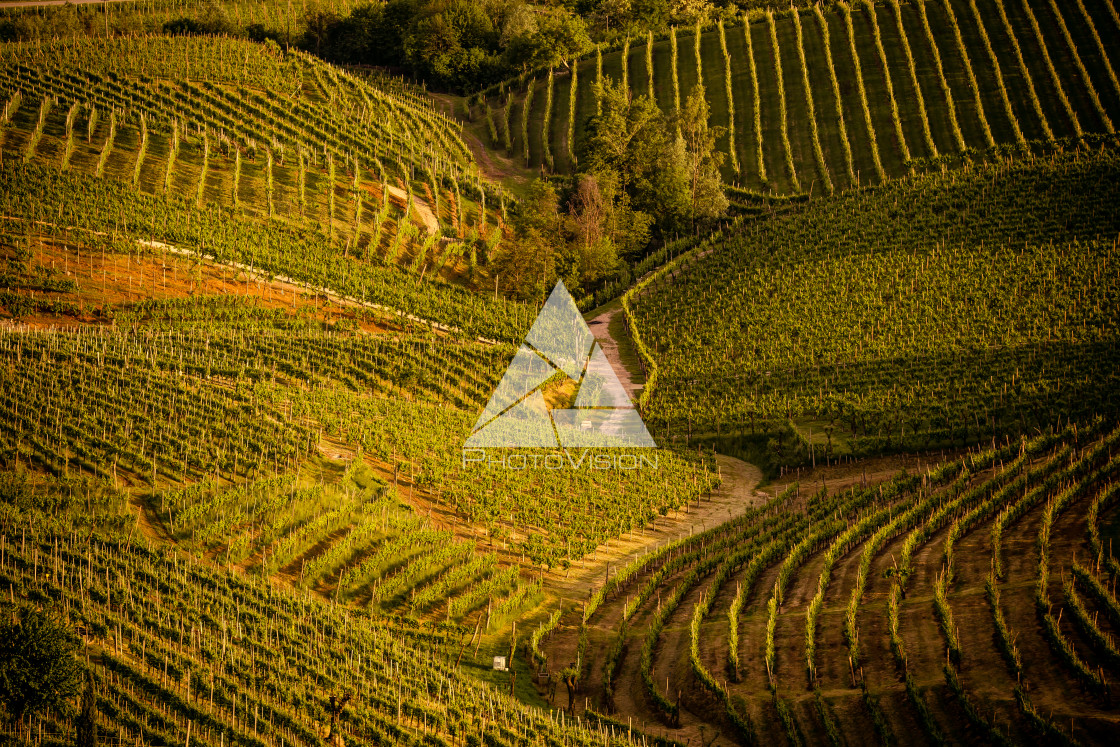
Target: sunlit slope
<point x="970" y="603"/>
<point x="935" y="311"/>
<point x="819" y="100"/>
<point x="181" y="646"/>
<point x="235" y="149"/>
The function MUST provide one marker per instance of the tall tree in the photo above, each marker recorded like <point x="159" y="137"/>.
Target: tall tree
<point x="39" y="668"/>
<point x="632" y="138"/>
<point x="526" y="266"/>
<point x="703" y="158"/>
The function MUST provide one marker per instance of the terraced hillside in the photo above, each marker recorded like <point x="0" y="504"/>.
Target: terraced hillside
<point x="248" y="319"/>
<point x="316" y="410"/>
<point x="968" y="604"/>
<point x="821" y="100"/>
<point x="233" y="149"/>
<point x="257" y="402"/>
<point x="931" y="312"/>
<point x="216" y="448"/>
<point x="184" y="651"/>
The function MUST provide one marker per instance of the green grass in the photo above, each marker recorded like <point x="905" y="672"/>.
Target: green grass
<point x="858" y="135"/>
<point x="1045" y="85"/>
<point x="1014" y="76"/>
<point x="716" y="91"/>
<point x="1107" y="30"/>
<point x="797" y="112"/>
<point x="773" y="150"/>
<point x="905" y="95"/>
<point x="831" y="124"/>
<point x="994" y="109"/>
<point x="561" y="98"/>
<point x="874" y="81"/>
<point x="662" y="75"/>
<point x="627" y="353"/>
<point x="1063" y="57"/>
<point x="743" y="92"/>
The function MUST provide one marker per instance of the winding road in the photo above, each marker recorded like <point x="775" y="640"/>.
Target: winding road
<point x="736" y="494"/>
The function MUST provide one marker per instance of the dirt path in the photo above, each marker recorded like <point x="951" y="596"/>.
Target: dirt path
<point x="490" y="163"/>
<point x="735" y="495"/>
<point x="731" y="499"/>
<point x="431" y="222"/>
<point x="600" y="327"/>
<point x="146" y="521"/>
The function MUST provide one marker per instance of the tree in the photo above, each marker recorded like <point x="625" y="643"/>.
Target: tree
<point x="589" y="210"/>
<point x="651" y="14"/>
<point x="525" y="266"/>
<point x="703" y="158"/>
<point x="632" y="139"/>
<point x="520" y="21"/>
<point x="549" y="40"/>
<point x="601" y="223"/>
<point x="320" y="26"/>
<point x="561" y="37"/>
<point x="611" y="11"/>
<point x="39" y="668"/>
<point x="690" y="11"/>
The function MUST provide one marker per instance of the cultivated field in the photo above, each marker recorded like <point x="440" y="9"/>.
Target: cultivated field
<point x="325" y="166"/>
<point x="971" y="603"/>
<point x="815" y="101"/>
<point x="251" y="315"/>
<point x="932" y="312"/>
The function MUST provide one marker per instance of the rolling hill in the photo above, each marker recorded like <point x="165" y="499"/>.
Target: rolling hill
<point x="249" y="322"/>
<point x="815" y="101"/>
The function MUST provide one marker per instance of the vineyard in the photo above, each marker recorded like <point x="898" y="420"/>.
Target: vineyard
<point x="275" y="394"/>
<point x="185" y="651"/>
<point x="821" y="100"/>
<point x="306" y="460"/>
<point x="326" y="180"/>
<point x="933" y="312"/>
<point x="971" y="603"/>
<point x="252" y="304"/>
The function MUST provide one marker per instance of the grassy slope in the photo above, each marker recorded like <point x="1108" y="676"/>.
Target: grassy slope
<point x="965" y="101"/>
<point x="937" y="109"/>
<point x="990" y="99"/>
<point x="874" y="82"/>
<point x="744" y="94"/>
<point x="1014" y="78"/>
<point x="713" y="73"/>
<point x="773" y="153"/>
<point x="1040" y="74"/>
<point x="797" y="110"/>
<point x="905" y="96"/>
<point x="1062" y="55"/>
<point x="854" y="119"/>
